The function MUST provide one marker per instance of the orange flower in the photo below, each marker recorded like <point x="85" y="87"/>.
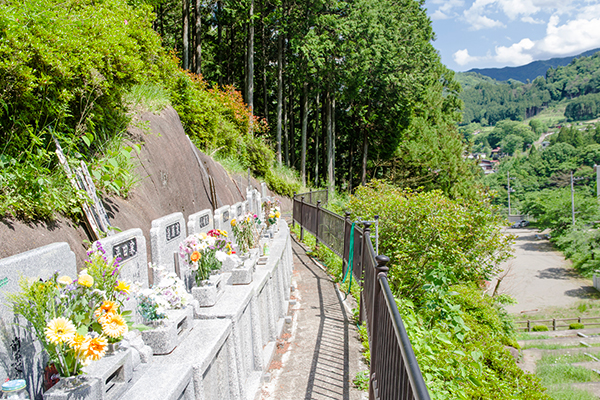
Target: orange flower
<point x="106" y="307"/>
<point x="114" y="325"/>
<point x="195" y="256"/>
<point x="95" y="348"/>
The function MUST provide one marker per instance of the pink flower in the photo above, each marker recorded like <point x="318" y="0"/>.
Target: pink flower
<point x="125" y="22"/>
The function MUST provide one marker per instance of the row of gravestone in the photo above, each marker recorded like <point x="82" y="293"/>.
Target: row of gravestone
<point x="19" y="352"/>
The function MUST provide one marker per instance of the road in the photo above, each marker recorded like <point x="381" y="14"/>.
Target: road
<point x="539" y="277"/>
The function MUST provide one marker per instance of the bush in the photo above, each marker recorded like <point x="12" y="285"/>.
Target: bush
<point x="539" y="328"/>
<point x="576" y="325"/>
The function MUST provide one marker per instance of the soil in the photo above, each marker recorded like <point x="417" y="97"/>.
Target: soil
<point x="174" y="177"/>
<point x="539" y="277"/>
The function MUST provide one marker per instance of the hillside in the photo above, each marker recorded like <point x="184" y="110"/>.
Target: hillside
<point x="171" y="180"/>
<point x="487" y="101"/>
<point x="529" y="71"/>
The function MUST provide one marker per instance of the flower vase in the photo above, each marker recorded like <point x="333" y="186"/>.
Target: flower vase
<point x="75" y="387"/>
<point x="112" y="348"/>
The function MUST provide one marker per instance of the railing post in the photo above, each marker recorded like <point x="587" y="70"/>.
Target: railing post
<point x="528" y="326"/>
<point x="302" y="218"/>
<point x="366" y="236"/>
<point x="293" y="208"/>
<point x="380" y="270"/>
<point x="553" y="324"/>
<point x="310" y="197"/>
<point x="346" y="261"/>
<point x="318" y="223"/>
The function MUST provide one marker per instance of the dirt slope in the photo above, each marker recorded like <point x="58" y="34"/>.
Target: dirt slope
<point x="172" y="178"/>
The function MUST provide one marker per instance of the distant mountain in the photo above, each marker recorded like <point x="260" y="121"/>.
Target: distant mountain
<point x="529" y="71"/>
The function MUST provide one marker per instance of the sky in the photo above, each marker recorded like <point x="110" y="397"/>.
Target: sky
<point x="500" y="33"/>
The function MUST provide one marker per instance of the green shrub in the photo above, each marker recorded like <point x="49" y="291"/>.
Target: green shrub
<point x="539" y="328"/>
<point x="576" y="325"/>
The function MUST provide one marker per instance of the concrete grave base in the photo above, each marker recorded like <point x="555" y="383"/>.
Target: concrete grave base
<point x="90" y="389"/>
<point x="209" y="294"/>
<point x="165" y="338"/>
<point x="113" y="372"/>
<point x="244" y="274"/>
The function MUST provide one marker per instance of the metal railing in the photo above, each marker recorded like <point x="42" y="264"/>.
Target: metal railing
<point x="395" y="373"/>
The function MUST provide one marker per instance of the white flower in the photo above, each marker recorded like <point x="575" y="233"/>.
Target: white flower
<point x="220" y="256"/>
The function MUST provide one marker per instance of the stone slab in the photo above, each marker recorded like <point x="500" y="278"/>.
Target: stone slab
<point x="200" y="222"/>
<point x="164" y="382"/>
<point x="165" y="235"/>
<point x="244" y="274"/>
<point x="209" y="295"/>
<point x="222" y="218"/>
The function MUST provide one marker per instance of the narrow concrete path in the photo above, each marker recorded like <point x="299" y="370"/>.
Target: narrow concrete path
<point x="319" y="353"/>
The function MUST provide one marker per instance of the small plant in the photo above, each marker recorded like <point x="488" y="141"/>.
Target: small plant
<point x="361" y="381"/>
<point x="576" y="325"/>
<point x="539" y="328"/>
<point x="272" y="211"/>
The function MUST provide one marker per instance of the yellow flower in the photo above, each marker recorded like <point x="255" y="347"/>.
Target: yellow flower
<point x="271" y="216"/>
<point x="78" y="342"/>
<point x="277" y="214"/>
<point x="85" y="280"/>
<point x="122" y="286"/>
<point x="65" y="280"/>
<point x="60" y="330"/>
<point x="203" y="235"/>
<point x="233" y="222"/>
<point x="222" y="232"/>
<point x="114" y="325"/>
<point x="95" y="348"/>
<point x="106" y="307"/>
<point x="195" y="256"/>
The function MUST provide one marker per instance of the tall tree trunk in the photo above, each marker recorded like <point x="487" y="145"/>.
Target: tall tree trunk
<point x="251" y="61"/>
<point x="330" y="150"/>
<point x="364" y="160"/>
<point x="199" y="37"/>
<point x="220" y="42"/>
<point x="279" y="91"/>
<point x="350" y="172"/>
<point x="332" y="153"/>
<point x="186" y="30"/>
<point x="162" y="24"/>
<point x="317" y="133"/>
<point x="264" y="66"/>
<point x="304" y="129"/>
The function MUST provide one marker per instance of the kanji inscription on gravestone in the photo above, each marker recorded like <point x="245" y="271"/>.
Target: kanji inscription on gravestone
<point x="173" y="231"/>
<point x="225" y="216"/>
<point x="125" y="250"/>
<point x="203" y="221"/>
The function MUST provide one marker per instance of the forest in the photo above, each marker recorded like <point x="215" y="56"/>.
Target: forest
<point x="487" y="101"/>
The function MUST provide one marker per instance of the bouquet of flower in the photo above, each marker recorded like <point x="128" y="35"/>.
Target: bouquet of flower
<point x="272" y="211"/>
<point x="168" y="294"/>
<point x="74" y="319"/>
<point x="246" y="232"/>
<point x="205" y="252"/>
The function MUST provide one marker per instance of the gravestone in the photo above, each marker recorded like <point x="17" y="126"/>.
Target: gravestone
<point x="238" y="210"/>
<point x="130" y="246"/>
<point x="250" y="201"/>
<point x="263" y="188"/>
<point x="257" y="203"/>
<point x="23" y="358"/>
<point x="223" y="219"/>
<point x="200" y="222"/>
<point x="165" y="235"/>
<point x="246" y="207"/>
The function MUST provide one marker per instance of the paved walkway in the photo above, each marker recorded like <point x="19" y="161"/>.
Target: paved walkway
<point x="319" y="353"/>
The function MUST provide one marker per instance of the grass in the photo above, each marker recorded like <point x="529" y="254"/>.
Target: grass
<point x="545" y="346"/>
<point x="529" y="336"/>
<point x="552" y="374"/>
<point x="566" y="393"/>
<point x="584" y="309"/>
<point x="146" y="98"/>
<point x="567" y="358"/>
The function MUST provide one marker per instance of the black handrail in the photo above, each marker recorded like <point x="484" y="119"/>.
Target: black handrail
<point x="395" y="372"/>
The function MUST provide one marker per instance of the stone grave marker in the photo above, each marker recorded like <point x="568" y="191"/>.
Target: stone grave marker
<point x="200" y="222"/>
<point x="249" y="200"/>
<point x="263" y="188"/>
<point x="238" y="210"/>
<point x="130" y="246"/>
<point x="246" y="207"/>
<point x="23" y="357"/>
<point x="257" y="203"/>
<point x="165" y="235"/>
<point x="223" y="219"/>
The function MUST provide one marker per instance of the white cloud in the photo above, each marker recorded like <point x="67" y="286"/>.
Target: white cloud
<point x="445" y="9"/>
<point x="475" y="16"/>
<point x="462" y="57"/>
<point x="437" y="15"/>
<point x="531" y="20"/>
<point x="516" y="54"/>
<point x="574" y="36"/>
